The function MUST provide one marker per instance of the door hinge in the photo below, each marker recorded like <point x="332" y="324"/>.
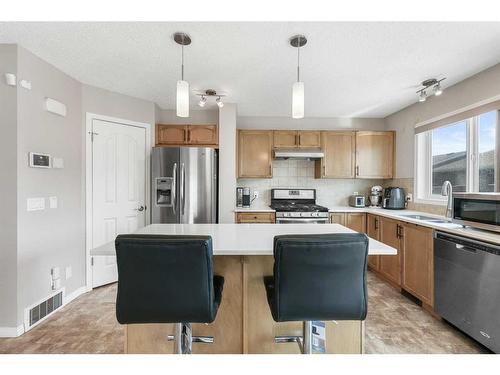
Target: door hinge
<point x="92" y="261"/>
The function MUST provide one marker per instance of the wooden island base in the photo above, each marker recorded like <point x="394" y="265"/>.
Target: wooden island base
<point x="244" y="323"/>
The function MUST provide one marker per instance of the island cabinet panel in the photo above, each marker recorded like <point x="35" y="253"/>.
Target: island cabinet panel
<point x="339" y="160"/>
<point x="373" y="231"/>
<point x="374" y="154"/>
<point x="390" y="265"/>
<point x="244" y="323"/>
<point x="171" y="134"/>
<point x="255" y="153"/>
<point x="418" y="266"/>
<point x="255" y="217"/>
<point x="260" y="328"/>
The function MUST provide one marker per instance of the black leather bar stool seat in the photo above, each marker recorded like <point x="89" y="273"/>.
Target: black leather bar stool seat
<point x="167" y="279"/>
<point x="317" y="277"/>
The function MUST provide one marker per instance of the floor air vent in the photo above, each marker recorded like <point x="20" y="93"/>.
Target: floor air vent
<point x="40" y="311"/>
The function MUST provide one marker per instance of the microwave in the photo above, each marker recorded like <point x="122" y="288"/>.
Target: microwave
<point x="479" y="210"/>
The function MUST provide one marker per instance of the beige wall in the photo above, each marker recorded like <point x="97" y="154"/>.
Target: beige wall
<point x="482" y="86"/>
<point x="8" y="193"/>
<point x="318" y="123"/>
<point x="196" y="117"/>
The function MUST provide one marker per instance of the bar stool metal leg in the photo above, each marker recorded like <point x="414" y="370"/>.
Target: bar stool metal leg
<point x="177" y="338"/>
<point x="307" y="338"/>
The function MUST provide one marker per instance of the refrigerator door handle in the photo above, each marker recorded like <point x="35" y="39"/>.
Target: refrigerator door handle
<point x="183" y="188"/>
<point x="174" y="187"/>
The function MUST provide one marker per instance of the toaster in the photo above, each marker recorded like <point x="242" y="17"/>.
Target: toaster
<point x="357" y="200"/>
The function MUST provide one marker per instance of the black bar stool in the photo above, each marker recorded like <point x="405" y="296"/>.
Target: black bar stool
<point x="317" y="277"/>
<point x="167" y="279"/>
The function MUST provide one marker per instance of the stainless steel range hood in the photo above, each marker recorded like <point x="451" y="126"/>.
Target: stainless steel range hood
<point x="299" y="153"/>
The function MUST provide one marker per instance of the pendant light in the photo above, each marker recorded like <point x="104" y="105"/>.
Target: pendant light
<point x="298" y="41"/>
<point x="182" y="86"/>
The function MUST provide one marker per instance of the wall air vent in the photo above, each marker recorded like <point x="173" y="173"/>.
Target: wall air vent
<point x="44" y="309"/>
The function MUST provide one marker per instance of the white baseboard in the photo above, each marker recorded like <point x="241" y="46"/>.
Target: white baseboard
<point x="77" y="293"/>
<point x="11" y="331"/>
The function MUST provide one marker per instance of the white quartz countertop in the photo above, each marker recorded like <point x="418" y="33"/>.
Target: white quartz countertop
<point x="257" y="208"/>
<point x="246" y="239"/>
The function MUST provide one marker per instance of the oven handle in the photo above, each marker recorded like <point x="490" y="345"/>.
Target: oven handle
<point x="299" y="220"/>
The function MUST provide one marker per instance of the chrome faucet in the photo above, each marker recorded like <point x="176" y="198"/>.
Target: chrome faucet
<point x="447" y="191"/>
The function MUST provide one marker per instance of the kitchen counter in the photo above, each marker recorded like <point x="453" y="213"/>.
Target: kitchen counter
<point x="257" y="208"/>
<point x="254" y="239"/>
<point x="448" y="227"/>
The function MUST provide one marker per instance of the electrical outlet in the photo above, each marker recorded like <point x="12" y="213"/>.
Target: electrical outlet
<point x="53" y="202"/>
<point x="409" y="197"/>
<point x="255" y="194"/>
<point x="69" y="272"/>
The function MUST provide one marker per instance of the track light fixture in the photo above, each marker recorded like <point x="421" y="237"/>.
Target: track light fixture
<point x="208" y="94"/>
<point x="430" y="86"/>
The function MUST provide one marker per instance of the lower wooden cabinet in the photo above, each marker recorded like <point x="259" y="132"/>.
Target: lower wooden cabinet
<point x="356" y="221"/>
<point x="417" y="275"/>
<point x="373" y="231"/>
<point x="390" y="265"/>
<point x="337" y="218"/>
<point x="255" y="218"/>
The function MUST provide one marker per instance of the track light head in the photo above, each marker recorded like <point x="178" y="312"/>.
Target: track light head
<point x="202" y="101"/>
<point x="422" y="97"/>
<point x="438" y="90"/>
<point x="219" y="102"/>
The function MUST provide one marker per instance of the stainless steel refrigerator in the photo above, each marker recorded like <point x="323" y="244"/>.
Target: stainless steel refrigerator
<point x="184" y="185"/>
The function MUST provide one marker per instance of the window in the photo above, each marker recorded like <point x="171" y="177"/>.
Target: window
<point x="463" y="153"/>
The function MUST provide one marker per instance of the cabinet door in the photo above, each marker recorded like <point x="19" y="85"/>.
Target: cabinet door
<point x="255" y="153"/>
<point x="339" y="149"/>
<point x="390" y="265"/>
<point x="418" y="275"/>
<point x="285" y="139"/>
<point x="309" y="139"/>
<point x="374" y="154"/>
<point x="171" y="134"/>
<point x="373" y="230"/>
<point x="203" y="135"/>
<point x="255" y="217"/>
<point x="337" y="218"/>
<point x="356" y="221"/>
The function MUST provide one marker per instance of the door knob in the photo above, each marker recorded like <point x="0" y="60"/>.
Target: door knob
<point x="140" y="209"/>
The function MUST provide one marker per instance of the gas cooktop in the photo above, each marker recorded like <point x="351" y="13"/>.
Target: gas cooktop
<point x="292" y="206"/>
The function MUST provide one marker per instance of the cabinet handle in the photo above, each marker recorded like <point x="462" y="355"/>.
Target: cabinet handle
<point x="397" y="231"/>
<point x="296" y="142"/>
<point x="324" y="170"/>
<point x="189" y="135"/>
<point x="185" y="135"/>
<point x="357" y="170"/>
<point x="376" y="223"/>
<point x="300" y="140"/>
<point x="270" y="170"/>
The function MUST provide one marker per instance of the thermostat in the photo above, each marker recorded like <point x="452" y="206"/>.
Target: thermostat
<point x="38" y="160"/>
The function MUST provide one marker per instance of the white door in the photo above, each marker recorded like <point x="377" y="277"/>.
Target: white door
<point x="118" y="190"/>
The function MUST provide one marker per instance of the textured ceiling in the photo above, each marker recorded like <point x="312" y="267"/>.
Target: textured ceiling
<point x="349" y="69"/>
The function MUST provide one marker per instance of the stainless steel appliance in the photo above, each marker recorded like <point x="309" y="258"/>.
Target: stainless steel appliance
<point x="184" y="185"/>
<point x="480" y="210"/>
<point x="376" y="196"/>
<point x="467" y="286"/>
<point x="299" y="153"/>
<point x="239" y="197"/>
<point x="295" y="206"/>
<point x="394" y="198"/>
<point x="357" y="200"/>
<point x="246" y="197"/>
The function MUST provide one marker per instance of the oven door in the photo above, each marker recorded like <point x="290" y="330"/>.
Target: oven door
<point x="298" y="220"/>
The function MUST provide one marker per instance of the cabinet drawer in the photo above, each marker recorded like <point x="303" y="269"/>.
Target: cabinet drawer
<point x="255" y="217"/>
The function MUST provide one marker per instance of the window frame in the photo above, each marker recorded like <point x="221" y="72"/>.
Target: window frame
<point x="423" y="161"/>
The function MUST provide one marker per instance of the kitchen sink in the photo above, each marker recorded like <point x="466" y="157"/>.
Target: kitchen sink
<point x="426" y="218"/>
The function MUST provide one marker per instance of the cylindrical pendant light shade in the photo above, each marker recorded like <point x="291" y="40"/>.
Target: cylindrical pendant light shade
<point x="298" y="100"/>
<point x="182" y="99"/>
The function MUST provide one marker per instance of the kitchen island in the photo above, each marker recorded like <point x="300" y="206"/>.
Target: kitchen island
<point x="243" y="255"/>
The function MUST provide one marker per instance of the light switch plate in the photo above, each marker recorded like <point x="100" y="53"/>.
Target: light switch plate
<point x="56" y="273"/>
<point x="56" y="284"/>
<point x="35" y="204"/>
<point x="53" y="202"/>
<point x="69" y="272"/>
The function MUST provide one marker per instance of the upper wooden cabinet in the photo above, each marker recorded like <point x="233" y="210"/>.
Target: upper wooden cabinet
<point x="339" y="160"/>
<point x="374" y="154"/>
<point x="299" y="138"/>
<point x="187" y="135"/>
<point x="255" y="153"/>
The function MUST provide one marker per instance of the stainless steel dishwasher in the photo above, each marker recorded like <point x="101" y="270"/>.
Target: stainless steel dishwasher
<point x="467" y="286"/>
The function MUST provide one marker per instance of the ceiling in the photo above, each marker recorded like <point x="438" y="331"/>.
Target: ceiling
<point x="358" y="69"/>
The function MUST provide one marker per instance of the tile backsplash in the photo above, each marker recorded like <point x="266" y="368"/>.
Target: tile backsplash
<point x="300" y="174"/>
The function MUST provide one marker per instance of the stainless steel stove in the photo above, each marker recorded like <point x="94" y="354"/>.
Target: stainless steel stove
<point x="295" y="206"/>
